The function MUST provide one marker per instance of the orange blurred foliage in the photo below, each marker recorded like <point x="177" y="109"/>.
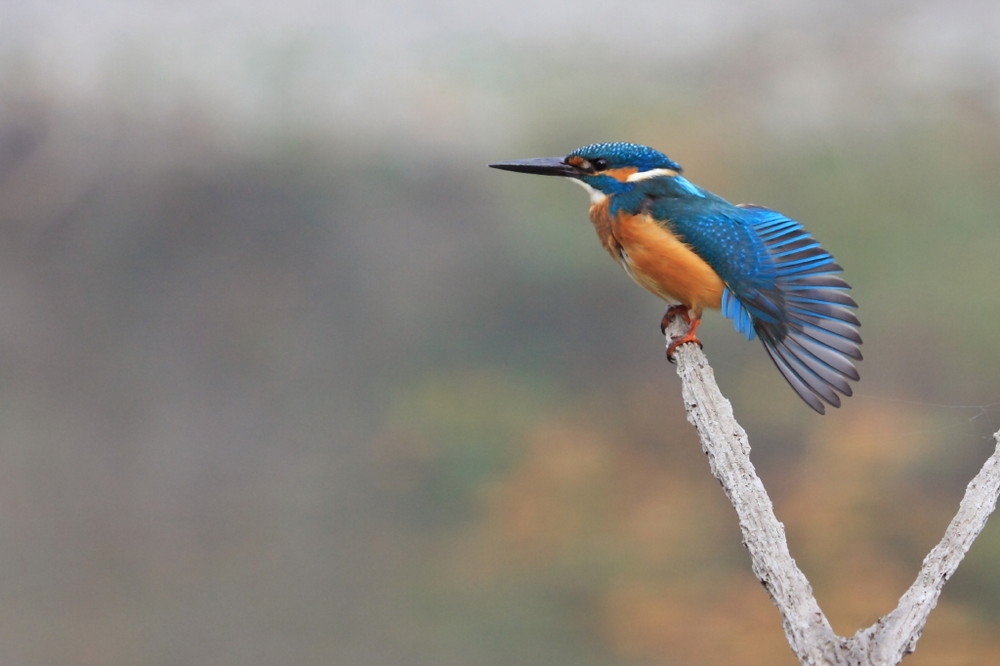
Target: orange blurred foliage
<point x="648" y="537"/>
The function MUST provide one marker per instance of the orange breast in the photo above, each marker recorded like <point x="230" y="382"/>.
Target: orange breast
<point x="657" y="260"/>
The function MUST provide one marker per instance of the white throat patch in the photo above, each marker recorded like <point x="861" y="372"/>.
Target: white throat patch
<point x="596" y="196"/>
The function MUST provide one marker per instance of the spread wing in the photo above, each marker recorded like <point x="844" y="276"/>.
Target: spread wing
<point x="816" y="340"/>
<point x="784" y="288"/>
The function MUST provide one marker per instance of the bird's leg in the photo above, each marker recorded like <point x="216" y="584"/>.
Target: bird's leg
<point x="689" y="336"/>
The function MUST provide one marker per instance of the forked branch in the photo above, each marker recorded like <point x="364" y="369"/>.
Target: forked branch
<point x="808" y="631"/>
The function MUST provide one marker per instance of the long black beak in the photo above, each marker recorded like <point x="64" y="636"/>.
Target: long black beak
<point x="544" y="166"/>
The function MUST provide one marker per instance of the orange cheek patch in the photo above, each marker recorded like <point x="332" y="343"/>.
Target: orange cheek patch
<point x="621" y="174"/>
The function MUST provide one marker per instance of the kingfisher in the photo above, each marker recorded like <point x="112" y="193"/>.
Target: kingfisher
<point x="695" y="250"/>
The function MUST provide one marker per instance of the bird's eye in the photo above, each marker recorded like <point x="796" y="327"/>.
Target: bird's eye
<point x="600" y="164"/>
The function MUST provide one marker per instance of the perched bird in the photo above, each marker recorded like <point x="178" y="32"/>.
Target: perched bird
<point x="696" y="250"/>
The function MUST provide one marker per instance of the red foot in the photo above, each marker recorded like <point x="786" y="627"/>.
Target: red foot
<point x="689" y="336"/>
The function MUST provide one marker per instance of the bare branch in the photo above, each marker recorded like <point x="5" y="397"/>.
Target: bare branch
<point x="806" y="627"/>
<point x="895" y="635"/>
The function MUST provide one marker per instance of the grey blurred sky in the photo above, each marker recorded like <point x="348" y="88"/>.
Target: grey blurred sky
<point x="393" y="67"/>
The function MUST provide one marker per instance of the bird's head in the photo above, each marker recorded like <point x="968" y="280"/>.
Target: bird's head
<point x="603" y="169"/>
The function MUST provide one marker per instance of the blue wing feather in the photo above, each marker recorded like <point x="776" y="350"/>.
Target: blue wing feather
<point x="816" y="341"/>
<point x="733" y="309"/>
<point x="781" y="287"/>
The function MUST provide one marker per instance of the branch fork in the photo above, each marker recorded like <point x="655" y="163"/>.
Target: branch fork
<point x="807" y="629"/>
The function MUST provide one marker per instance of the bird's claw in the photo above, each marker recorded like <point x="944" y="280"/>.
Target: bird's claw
<point x="672" y="312"/>
<point x="688" y="336"/>
<point x="680" y="340"/>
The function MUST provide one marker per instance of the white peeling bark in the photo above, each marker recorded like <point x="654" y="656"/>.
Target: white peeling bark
<point x="808" y="631"/>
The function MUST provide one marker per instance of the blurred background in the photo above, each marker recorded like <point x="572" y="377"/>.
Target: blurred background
<point x="287" y="375"/>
